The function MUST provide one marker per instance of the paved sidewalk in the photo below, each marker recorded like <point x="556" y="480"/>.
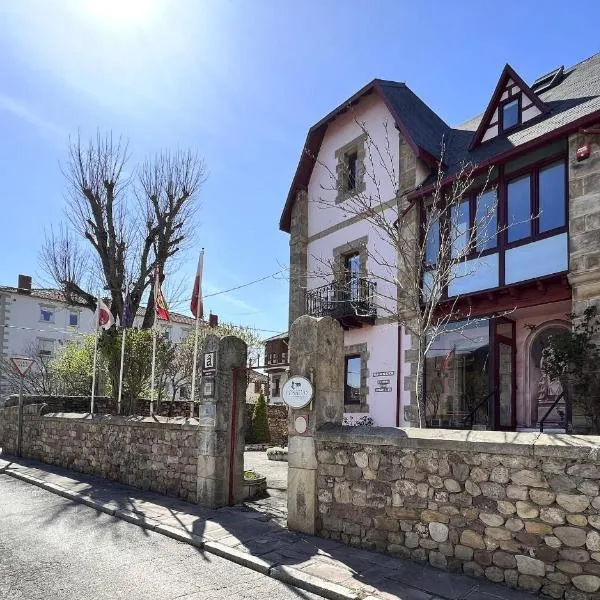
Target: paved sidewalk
<point x="251" y="538"/>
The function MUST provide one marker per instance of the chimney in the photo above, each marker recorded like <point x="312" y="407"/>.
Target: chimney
<point x="213" y="320"/>
<point x="24" y="285"/>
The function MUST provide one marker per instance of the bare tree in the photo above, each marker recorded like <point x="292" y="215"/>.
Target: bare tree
<point x="118" y="243"/>
<point x="420" y="249"/>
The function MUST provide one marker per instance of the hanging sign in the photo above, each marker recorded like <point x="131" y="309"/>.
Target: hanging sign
<point x="297" y="392"/>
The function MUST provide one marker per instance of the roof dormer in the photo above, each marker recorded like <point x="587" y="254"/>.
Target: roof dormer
<point x="512" y="104"/>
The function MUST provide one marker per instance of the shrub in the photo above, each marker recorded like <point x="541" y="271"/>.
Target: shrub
<point x="260" y="422"/>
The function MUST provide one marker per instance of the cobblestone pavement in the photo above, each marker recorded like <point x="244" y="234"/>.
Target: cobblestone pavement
<point x="252" y="535"/>
<point x="276" y="472"/>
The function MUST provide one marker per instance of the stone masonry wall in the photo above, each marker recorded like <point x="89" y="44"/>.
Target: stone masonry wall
<point x="144" y="453"/>
<point x="519" y="509"/>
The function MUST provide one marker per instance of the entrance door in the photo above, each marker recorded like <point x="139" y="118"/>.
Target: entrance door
<point x="505" y="375"/>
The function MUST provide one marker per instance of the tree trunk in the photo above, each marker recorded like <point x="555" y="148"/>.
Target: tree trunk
<point x="419" y="382"/>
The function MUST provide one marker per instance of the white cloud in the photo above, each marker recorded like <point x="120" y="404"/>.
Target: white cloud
<point x="23" y="112"/>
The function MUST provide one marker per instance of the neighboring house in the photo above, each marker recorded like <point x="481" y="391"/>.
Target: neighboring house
<point x="276" y="365"/>
<point x="257" y="384"/>
<point x="542" y="143"/>
<point x="37" y="322"/>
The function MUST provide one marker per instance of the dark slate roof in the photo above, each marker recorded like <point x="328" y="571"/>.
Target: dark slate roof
<point x="279" y="336"/>
<point x="575" y="97"/>
<point x="424" y="126"/>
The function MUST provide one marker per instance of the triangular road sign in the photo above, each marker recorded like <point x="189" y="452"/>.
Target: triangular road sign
<point x="22" y="364"/>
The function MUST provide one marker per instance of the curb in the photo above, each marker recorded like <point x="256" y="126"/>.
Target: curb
<point x="288" y="575"/>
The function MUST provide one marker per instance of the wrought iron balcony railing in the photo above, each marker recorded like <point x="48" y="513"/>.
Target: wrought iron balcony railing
<point x="351" y="302"/>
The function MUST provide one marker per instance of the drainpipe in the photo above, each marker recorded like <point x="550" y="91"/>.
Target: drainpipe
<point x="399" y="375"/>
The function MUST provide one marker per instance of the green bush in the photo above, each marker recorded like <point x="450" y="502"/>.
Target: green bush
<point x="260" y="422"/>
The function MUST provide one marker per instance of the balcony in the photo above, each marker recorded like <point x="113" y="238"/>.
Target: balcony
<point x="352" y="303"/>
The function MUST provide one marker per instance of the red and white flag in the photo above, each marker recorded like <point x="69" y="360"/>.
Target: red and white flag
<point x="160" y="304"/>
<point x="104" y="316"/>
<point x="197" y="306"/>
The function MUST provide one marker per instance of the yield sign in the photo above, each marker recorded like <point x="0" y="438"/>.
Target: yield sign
<point x="22" y="364"/>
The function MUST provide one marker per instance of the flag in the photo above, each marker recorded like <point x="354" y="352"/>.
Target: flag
<point x="197" y="306"/>
<point x="127" y="320"/>
<point x="105" y="318"/>
<point x="160" y="305"/>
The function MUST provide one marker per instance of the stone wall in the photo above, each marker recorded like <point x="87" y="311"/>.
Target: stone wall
<point x="148" y="454"/>
<point x="278" y="425"/>
<point x="103" y="405"/>
<point x="519" y="509"/>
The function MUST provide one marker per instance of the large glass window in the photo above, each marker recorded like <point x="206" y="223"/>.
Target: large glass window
<point x="459" y="229"/>
<point x="519" y="208"/>
<point x="552" y="197"/>
<point x="352" y="387"/>
<point x="432" y="241"/>
<point x="486" y="225"/>
<point x="457" y="375"/>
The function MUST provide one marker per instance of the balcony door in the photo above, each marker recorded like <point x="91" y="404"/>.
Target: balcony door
<point x="505" y="400"/>
<point x="352" y="276"/>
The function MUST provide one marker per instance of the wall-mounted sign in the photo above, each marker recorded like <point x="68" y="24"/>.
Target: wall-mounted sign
<point x="383" y="381"/>
<point x="383" y="389"/>
<point x="301" y="424"/>
<point x="384" y="373"/>
<point x="297" y="392"/>
<point x="209" y="366"/>
<point x="208" y="388"/>
<point x="207" y="415"/>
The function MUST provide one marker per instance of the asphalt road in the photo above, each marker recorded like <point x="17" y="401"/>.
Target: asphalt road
<point x="55" y="549"/>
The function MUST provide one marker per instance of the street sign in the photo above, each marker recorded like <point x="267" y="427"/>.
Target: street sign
<point x="383" y="389"/>
<point x="297" y="392"/>
<point x="209" y="366"/>
<point x="383" y="374"/>
<point x="22" y="364"/>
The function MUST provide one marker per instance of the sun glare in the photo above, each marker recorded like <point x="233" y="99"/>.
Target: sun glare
<point x="119" y="12"/>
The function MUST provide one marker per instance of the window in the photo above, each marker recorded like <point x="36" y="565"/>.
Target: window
<point x="276" y="382"/>
<point x="45" y="348"/>
<point x="459" y="230"/>
<point x="457" y="374"/>
<point x="552" y="213"/>
<point x="486" y="223"/>
<point x="257" y="387"/>
<point x="284" y="357"/>
<point x="511" y="114"/>
<point x="46" y="314"/>
<point x="519" y="208"/>
<point x="352" y="380"/>
<point x="432" y="238"/>
<point x="352" y="274"/>
<point x="351" y="170"/>
<point x="73" y="319"/>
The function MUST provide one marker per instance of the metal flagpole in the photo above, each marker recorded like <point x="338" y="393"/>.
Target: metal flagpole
<point x="153" y="366"/>
<point x="95" y="360"/>
<point x="194" y="366"/>
<point x="123" y="333"/>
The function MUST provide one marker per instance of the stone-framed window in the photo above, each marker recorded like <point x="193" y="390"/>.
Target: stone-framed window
<point x="350" y="169"/>
<point x="342" y="253"/>
<point x="353" y="401"/>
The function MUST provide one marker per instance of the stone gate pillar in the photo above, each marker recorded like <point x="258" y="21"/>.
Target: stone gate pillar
<point x="316" y="350"/>
<point x="222" y="421"/>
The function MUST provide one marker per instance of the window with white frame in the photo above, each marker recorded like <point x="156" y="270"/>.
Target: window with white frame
<point x="73" y="319"/>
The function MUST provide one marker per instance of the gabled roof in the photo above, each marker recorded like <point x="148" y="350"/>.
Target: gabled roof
<point x="507" y="73"/>
<point x="572" y="103"/>
<point x="423" y="129"/>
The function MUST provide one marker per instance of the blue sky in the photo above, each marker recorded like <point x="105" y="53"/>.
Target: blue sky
<point x="240" y="82"/>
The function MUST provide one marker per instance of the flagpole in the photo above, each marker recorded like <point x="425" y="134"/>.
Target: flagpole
<point x="153" y="366"/>
<point x="97" y="315"/>
<point x="123" y="333"/>
<point x="196" y="332"/>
